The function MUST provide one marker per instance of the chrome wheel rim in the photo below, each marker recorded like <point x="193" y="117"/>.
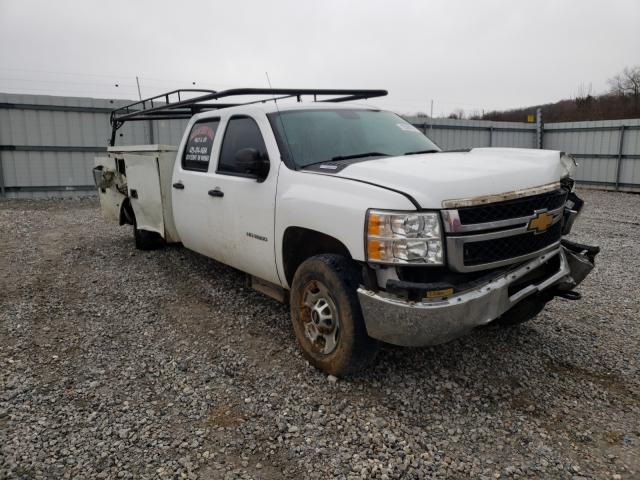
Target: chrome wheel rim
<point x="320" y="318"/>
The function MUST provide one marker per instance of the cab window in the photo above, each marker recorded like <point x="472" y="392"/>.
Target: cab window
<point x="242" y="132"/>
<point x="197" y="152"/>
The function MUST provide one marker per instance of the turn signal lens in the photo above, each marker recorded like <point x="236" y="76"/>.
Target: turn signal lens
<point x="379" y="225"/>
<point x="380" y="250"/>
<point x="373" y="224"/>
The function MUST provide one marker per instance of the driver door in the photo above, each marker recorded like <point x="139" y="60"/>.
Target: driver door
<point x="241" y="215"/>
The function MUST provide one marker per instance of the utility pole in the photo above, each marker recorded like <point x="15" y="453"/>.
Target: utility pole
<point x="539" y="128"/>
<point x="3" y="192"/>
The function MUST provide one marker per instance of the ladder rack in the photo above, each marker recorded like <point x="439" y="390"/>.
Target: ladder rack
<point x="172" y="105"/>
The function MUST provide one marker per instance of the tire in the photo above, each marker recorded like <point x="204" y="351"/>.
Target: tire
<point x="146" y="240"/>
<point x="524" y="311"/>
<point x="326" y="315"/>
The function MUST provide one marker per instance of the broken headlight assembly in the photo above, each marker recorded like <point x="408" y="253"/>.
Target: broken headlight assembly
<point x="404" y="238"/>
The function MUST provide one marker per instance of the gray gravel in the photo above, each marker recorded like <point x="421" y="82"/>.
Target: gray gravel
<point x="121" y="364"/>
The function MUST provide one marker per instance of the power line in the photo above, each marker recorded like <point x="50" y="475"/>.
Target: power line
<point x="165" y="80"/>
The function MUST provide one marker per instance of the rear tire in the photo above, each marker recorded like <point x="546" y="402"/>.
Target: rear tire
<point x="146" y="240"/>
<point x="326" y="315"/>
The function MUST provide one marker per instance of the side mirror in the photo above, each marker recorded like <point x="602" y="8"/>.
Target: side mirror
<point x="251" y="161"/>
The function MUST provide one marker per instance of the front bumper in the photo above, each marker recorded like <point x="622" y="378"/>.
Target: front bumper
<point x="432" y="322"/>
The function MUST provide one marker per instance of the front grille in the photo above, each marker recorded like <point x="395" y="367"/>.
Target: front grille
<point x="487" y="251"/>
<point x="519" y="207"/>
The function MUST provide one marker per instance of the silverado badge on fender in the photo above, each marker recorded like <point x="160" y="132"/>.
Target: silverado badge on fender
<point x="540" y="222"/>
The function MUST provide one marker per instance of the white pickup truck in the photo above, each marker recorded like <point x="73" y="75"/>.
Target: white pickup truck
<point x="351" y="215"/>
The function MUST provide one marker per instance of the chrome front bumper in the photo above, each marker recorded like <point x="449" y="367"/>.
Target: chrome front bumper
<point x="431" y="322"/>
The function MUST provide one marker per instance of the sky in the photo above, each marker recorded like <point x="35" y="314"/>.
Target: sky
<point x="462" y="54"/>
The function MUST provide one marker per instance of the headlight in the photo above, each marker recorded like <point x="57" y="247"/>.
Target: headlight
<point x="408" y="238"/>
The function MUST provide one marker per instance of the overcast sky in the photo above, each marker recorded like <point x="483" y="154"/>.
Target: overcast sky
<point x="466" y="54"/>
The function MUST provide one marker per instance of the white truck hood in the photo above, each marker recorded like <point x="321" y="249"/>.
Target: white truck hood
<point x="434" y="178"/>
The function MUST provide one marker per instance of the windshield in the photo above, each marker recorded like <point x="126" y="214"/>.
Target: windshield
<point x="317" y="136"/>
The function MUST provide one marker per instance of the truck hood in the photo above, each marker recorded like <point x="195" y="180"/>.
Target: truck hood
<point x="434" y="178"/>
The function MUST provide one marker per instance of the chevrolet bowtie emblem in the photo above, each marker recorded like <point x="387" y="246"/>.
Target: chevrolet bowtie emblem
<point x="540" y="222"/>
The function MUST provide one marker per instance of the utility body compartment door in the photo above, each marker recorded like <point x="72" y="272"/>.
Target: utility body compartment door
<point x="143" y="180"/>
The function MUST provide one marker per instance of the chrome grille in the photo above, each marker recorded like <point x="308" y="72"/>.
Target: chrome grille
<point x="489" y="251"/>
<point x="497" y="234"/>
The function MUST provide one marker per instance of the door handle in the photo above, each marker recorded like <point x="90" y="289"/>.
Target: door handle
<point x="216" y="192"/>
<point x="178" y="185"/>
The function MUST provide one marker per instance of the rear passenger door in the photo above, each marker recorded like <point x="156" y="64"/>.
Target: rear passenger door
<point x="191" y="183"/>
<point x="241" y="218"/>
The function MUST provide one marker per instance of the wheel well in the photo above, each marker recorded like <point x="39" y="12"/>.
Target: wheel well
<point x="299" y="243"/>
<point x="126" y="212"/>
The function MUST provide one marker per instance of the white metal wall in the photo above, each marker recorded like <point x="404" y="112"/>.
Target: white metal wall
<point x="47" y="144"/>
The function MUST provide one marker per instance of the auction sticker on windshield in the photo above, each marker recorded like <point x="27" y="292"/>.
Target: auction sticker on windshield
<point x="407" y="127"/>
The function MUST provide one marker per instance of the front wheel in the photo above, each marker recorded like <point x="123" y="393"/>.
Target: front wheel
<point x="326" y="315"/>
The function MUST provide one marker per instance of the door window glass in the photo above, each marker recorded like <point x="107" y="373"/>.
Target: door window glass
<point x="242" y="132"/>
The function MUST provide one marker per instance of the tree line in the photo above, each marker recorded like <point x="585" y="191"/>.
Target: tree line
<point x="622" y="100"/>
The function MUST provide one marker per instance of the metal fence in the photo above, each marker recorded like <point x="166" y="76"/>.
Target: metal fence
<point x="47" y="144"/>
<point x="608" y="152"/>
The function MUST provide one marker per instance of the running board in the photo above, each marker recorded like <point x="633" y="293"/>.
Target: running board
<point x="269" y="289"/>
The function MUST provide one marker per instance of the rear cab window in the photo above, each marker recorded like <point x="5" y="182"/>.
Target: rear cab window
<point x="198" y="150"/>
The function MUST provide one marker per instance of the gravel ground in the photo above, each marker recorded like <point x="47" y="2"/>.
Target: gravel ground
<point x="121" y="364"/>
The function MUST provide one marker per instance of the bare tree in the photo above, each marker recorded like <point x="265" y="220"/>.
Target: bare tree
<point x="457" y="113"/>
<point x="584" y="98"/>
<point x="627" y="82"/>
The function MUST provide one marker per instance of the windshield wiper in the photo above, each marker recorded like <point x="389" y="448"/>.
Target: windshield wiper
<point x="360" y="155"/>
<point x="422" y="151"/>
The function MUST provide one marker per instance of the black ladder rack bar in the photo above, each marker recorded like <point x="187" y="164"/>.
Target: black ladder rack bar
<point x="185" y="108"/>
<point x="165" y="97"/>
